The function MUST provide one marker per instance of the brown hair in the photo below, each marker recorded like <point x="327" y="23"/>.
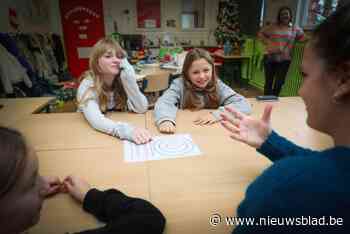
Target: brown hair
<point x="191" y="100"/>
<point x="13" y="157"/>
<point x="283" y="8"/>
<point x="120" y="97"/>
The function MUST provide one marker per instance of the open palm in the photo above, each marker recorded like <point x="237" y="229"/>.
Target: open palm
<point x="247" y="129"/>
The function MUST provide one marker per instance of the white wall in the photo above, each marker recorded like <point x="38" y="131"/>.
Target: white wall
<point x="170" y="9"/>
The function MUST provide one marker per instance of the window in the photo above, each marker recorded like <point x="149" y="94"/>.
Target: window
<point x="192" y="15"/>
<point x="317" y="11"/>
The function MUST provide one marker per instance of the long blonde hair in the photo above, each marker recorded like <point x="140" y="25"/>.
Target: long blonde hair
<point x="120" y="97"/>
<point x="191" y="100"/>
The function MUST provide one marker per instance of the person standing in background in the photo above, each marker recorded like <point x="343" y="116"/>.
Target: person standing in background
<point x="279" y="39"/>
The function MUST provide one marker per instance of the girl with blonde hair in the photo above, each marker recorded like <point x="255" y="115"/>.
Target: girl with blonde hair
<point x="110" y="85"/>
<point x="198" y="88"/>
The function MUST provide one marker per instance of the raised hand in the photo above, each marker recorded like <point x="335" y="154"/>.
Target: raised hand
<point x="246" y="129"/>
<point x="167" y="127"/>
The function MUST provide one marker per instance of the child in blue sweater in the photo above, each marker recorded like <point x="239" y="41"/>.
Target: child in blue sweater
<point x="303" y="184"/>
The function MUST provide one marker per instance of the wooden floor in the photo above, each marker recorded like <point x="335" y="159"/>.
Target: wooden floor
<point x="247" y="91"/>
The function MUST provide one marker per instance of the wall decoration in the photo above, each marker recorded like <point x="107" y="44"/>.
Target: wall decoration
<point x="83" y="26"/>
<point x="148" y="13"/>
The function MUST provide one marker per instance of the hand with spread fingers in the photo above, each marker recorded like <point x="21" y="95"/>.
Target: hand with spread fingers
<point x="167" y="127"/>
<point x="207" y="119"/>
<point x="141" y="136"/>
<point x="247" y="129"/>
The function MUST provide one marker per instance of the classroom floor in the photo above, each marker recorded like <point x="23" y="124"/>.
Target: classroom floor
<point x="247" y="91"/>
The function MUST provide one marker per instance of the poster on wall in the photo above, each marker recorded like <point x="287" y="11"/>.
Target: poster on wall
<point x="148" y="13"/>
<point x="83" y="26"/>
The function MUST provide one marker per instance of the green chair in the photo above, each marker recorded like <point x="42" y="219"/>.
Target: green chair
<point x="294" y="78"/>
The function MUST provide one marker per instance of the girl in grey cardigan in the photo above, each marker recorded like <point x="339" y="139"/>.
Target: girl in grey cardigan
<point x="198" y="88"/>
<point x="110" y="84"/>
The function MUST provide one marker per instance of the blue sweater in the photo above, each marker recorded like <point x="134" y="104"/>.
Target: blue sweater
<point x="301" y="184"/>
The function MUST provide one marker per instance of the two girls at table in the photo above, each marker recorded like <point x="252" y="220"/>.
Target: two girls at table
<point x="110" y="84"/>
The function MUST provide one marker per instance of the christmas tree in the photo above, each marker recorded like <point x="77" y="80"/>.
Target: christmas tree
<point x="228" y="29"/>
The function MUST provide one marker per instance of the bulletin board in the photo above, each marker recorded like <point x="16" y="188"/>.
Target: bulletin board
<point x="148" y="13"/>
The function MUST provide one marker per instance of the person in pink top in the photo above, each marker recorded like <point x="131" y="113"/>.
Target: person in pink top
<point x="279" y="39"/>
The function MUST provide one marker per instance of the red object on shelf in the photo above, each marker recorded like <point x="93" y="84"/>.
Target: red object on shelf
<point x="148" y="10"/>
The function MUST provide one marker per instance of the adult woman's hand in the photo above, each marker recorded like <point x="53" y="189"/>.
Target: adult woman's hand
<point x="246" y="129"/>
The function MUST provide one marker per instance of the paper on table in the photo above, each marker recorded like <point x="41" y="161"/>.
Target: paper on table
<point x="161" y="147"/>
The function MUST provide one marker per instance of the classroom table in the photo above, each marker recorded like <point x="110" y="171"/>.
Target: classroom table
<point x="71" y="130"/>
<point x="103" y="168"/>
<point x="155" y="69"/>
<point x="187" y="190"/>
<point x="216" y="181"/>
<point x="14" y="109"/>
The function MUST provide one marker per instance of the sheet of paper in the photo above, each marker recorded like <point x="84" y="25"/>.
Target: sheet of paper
<point x="161" y="147"/>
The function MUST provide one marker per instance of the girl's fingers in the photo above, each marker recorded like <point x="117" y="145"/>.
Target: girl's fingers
<point x="145" y="136"/>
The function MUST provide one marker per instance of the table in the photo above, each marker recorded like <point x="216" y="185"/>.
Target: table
<point x="154" y="69"/>
<point x="187" y="190"/>
<point x="216" y="181"/>
<point x="102" y="168"/>
<point x="15" y="109"/>
<point x="71" y="131"/>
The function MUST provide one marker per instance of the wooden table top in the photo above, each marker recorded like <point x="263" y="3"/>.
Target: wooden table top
<point x="14" y="109"/>
<point x="71" y="130"/>
<point x="187" y="190"/>
<point x="102" y="168"/>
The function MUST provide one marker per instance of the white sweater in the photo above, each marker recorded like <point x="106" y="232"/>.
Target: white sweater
<point x="136" y="102"/>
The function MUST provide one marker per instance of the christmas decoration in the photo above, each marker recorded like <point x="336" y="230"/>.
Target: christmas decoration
<point x="228" y="29"/>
